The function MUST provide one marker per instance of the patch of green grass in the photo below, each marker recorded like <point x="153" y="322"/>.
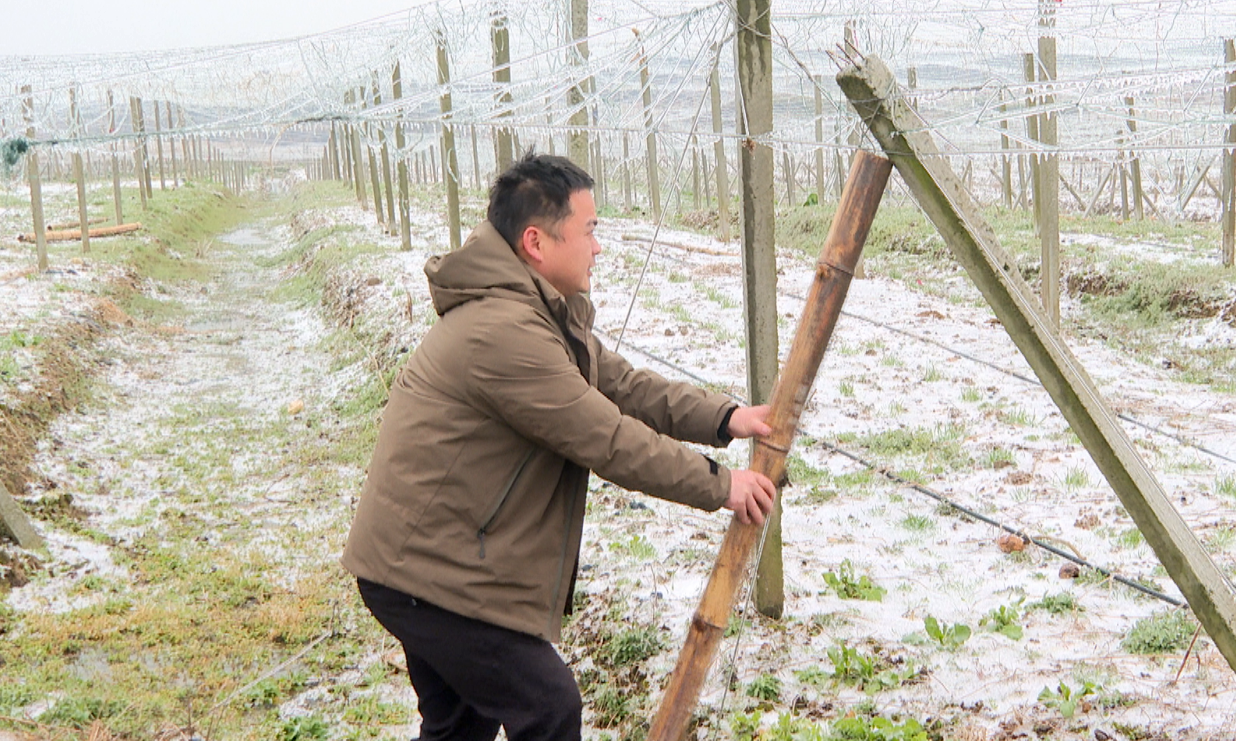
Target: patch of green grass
<point x="971" y="394"/>
<point x="998" y="457"/>
<point x="1225" y="486"/>
<point x="939" y="446"/>
<point x="932" y="374"/>
<point x="1076" y="478"/>
<point x="766" y="687"/>
<point x="1163" y="633"/>
<point x="918" y="523"/>
<point x="1128" y="539"/>
<point x="631" y="646"/>
<point x="637" y="547"/>
<point x="1057" y="604"/>
<point x="846" y="389"/>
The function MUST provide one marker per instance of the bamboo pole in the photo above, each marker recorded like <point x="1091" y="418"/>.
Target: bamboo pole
<point x="36" y="186"/>
<point x="872" y="89"/>
<point x="833" y="274"/>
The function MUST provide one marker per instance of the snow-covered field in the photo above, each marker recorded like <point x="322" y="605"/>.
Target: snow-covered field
<point x="927" y="387"/>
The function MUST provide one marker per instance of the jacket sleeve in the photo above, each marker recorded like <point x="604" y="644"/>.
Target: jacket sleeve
<point x="680" y="410"/>
<point x="520" y="372"/>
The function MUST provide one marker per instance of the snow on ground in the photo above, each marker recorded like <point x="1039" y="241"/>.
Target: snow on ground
<point x="897" y="361"/>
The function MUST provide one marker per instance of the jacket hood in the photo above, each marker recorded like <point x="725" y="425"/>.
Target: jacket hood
<point x="486" y="265"/>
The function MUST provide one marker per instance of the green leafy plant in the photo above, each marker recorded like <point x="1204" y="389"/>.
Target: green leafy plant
<point x="865" y="672"/>
<point x="1065" y="698"/>
<point x="790" y="728"/>
<point x="1165" y="632"/>
<point x="948" y="636"/>
<point x="638" y="547"/>
<point x="744" y="726"/>
<point x="877" y="728"/>
<point x="1003" y="620"/>
<point x="848" y="586"/>
<point x="631" y="646"/>
<point x="765" y="687"/>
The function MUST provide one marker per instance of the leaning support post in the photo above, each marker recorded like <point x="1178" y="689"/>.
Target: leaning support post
<point x="14" y="522"/>
<point x="833" y="274"/>
<point x="873" y="91"/>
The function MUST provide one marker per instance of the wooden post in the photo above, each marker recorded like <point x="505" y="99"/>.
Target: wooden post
<point x="650" y="136"/>
<point x="820" y="313"/>
<point x="501" y="38"/>
<point x="819" y="138"/>
<point x="111" y="129"/>
<point x="405" y="226"/>
<point x="1228" y="196"/>
<point x="79" y="172"/>
<point x="450" y="162"/>
<point x="139" y="152"/>
<point x="374" y="175"/>
<point x="1049" y="169"/>
<point x="159" y="147"/>
<point x="973" y="242"/>
<point x="755" y="119"/>
<point x="36" y="186"/>
<point x="577" y="56"/>
<point x="391" y="220"/>
<point x="718" y="153"/>
<point x="171" y="146"/>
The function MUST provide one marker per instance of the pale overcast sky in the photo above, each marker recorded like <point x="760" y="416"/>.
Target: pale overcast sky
<point x="102" y="26"/>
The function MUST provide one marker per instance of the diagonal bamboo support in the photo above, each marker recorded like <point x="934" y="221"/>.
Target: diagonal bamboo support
<point x="870" y="86"/>
<point x="834" y="272"/>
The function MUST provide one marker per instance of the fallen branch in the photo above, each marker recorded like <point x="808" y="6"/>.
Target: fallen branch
<point x="679" y="245"/>
<point x="70" y="235"/>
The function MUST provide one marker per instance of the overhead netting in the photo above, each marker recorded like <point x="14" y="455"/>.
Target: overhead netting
<point x="1143" y="78"/>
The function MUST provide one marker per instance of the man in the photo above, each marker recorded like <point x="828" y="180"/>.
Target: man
<point x="466" y="539"/>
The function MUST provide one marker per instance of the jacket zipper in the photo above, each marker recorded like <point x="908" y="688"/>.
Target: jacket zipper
<point x="492" y="514"/>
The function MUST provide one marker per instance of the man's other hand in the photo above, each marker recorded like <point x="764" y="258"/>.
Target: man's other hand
<point x="749" y="422"/>
<point x="751" y="496"/>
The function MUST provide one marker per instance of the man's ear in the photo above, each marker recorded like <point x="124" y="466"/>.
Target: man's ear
<point x="533" y="247"/>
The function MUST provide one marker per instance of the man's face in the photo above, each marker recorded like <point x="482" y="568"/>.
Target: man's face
<point x="570" y="251"/>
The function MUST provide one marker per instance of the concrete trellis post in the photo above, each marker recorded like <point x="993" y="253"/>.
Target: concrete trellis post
<point x="1049" y="169"/>
<point x="36" y="186"/>
<point x="504" y="153"/>
<point x="391" y="220"/>
<point x="374" y="174"/>
<point x="111" y="129"/>
<point x="159" y="147"/>
<point x="650" y="135"/>
<point x="1228" y="197"/>
<point x="819" y="138"/>
<point x="450" y="162"/>
<point x="401" y="159"/>
<point x="171" y="147"/>
<point x="723" y="175"/>
<point x="577" y="53"/>
<point x="79" y="172"/>
<point x="139" y="151"/>
<point x="755" y="119"/>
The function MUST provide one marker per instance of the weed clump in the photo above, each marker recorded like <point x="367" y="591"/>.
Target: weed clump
<point x="1166" y="632"/>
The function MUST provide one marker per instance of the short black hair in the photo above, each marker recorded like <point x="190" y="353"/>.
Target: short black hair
<point x="535" y="190"/>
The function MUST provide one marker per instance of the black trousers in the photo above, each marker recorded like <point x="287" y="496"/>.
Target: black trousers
<point x="472" y="677"/>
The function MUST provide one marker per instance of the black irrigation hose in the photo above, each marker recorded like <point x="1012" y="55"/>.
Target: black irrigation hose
<point x="934" y="494"/>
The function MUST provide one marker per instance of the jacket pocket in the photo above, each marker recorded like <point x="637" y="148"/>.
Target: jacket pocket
<point x="491" y="512"/>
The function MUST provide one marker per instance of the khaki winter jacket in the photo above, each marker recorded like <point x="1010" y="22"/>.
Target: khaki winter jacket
<point x="475" y="495"/>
